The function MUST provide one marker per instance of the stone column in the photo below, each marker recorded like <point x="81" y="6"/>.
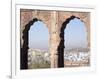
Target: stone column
<point x="54" y="39"/>
<point x="26" y="16"/>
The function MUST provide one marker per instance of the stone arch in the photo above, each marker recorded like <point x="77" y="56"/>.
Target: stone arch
<point x="61" y="45"/>
<point x="25" y="47"/>
<point x="54" y="21"/>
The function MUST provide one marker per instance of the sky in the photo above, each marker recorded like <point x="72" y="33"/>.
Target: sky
<point x="39" y="36"/>
<point x="75" y="35"/>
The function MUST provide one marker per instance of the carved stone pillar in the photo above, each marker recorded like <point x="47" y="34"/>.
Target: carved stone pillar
<point x="54" y="39"/>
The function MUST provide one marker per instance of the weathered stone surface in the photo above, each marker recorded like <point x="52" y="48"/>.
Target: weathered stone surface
<point x="54" y="21"/>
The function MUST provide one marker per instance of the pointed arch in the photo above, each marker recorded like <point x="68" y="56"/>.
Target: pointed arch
<point x="25" y="46"/>
<point x="61" y="45"/>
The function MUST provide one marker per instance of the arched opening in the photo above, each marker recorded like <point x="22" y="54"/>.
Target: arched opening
<point x="27" y="37"/>
<point x="76" y="44"/>
<point x="75" y="40"/>
<point x="38" y="54"/>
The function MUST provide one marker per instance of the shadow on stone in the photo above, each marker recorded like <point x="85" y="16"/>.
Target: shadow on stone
<point x="61" y="46"/>
<point x="24" y="49"/>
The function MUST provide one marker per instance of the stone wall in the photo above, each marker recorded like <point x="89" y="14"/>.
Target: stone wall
<point x="56" y="22"/>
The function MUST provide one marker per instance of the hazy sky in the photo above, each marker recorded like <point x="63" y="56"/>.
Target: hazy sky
<point x="75" y="35"/>
<point x="39" y="36"/>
